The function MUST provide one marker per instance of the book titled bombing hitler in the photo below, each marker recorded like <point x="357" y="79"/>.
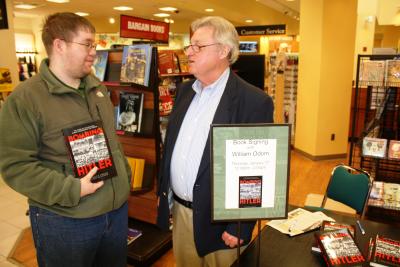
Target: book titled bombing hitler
<point x="88" y="148"/>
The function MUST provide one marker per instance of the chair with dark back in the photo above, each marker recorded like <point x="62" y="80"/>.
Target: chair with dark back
<point x="348" y="191"/>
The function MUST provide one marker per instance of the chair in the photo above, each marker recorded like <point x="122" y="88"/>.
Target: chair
<point x="348" y="191"/>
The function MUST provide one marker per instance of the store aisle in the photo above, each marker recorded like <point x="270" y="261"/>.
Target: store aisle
<point x="13" y="220"/>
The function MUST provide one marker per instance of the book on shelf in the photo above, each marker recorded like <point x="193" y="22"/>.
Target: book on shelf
<point x="100" y="64"/>
<point x="376" y="195"/>
<point x="167" y="62"/>
<point x="394" y="149"/>
<point x="338" y="248"/>
<point x="166" y="101"/>
<point x="393" y="72"/>
<point x="299" y="221"/>
<point x="384" y="252"/>
<point x="88" y="148"/>
<point x="136" y="61"/>
<point x="183" y="61"/>
<point x="372" y="72"/>
<point x="133" y="234"/>
<point x="377" y="97"/>
<point x="391" y="195"/>
<point x="374" y="147"/>
<point x="130" y="111"/>
<point x="5" y="76"/>
<point x="142" y="173"/>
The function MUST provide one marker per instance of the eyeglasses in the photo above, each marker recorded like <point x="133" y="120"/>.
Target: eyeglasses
<point x="88" y="45"/>
<point x="197" y="48"/>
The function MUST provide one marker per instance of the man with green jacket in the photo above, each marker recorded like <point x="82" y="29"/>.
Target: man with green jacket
<point x="75" y="222"/>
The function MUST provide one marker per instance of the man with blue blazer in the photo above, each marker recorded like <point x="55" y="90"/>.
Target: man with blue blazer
<point x="217" y="96"/>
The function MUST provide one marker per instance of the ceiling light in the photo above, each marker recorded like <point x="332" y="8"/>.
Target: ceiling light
<point x="123" y="8"/>
<point x="168" y="9"/>
<point x="209" y="10"/>
<point x="248" y="21"/>
<point x="82" y="14"/>
<point x="25" y="6"/>
<point x="58" y="1"/>
<point x="111" y="20"/>
<point x="290" y="0"/>
<point x="161" y="15"/>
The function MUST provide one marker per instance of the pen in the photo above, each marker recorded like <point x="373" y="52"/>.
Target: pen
<point x="361" y="228"/>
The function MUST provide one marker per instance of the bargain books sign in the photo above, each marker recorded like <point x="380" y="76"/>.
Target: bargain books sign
<point x="133" y="27"/>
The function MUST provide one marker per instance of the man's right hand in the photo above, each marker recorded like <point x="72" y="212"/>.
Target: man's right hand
<point x="87" y="187"/>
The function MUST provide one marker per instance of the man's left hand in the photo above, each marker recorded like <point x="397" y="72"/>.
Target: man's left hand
<point x="230" y="240"/>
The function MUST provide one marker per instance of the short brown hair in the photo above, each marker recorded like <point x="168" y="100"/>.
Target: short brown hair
<point x="63" y="26"/>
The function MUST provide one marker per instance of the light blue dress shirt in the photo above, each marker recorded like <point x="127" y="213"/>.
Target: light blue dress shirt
<point x="193" y="135"/>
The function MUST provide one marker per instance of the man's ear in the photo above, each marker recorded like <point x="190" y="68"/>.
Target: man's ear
<point x="58" y="45"/>
<point x="224" y="52"/>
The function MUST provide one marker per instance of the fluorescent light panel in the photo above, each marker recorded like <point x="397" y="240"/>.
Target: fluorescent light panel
<point x="161" y="15"/>
<point x="123" y="8"/>
<point x="82" y="14"/>
<point x="25" y="6"/>
<point x="168" y="9"/>
<point x="58" y="1"/>
<point x="209" y="10"/>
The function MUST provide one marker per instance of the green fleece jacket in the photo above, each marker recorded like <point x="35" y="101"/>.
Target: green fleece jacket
<point x="34" y="158"/>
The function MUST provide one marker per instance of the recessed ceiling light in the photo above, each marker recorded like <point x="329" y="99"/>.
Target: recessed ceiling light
<point x="209" y="10"/>
<point x="82" y="14"/>
<point x="58" y="1"/>
<point x="248" y="21"/>
<point x="161" y="15"/>
<point x="290" y="0"/>
<point x="168" y="9"/>
<point x="123" y="8"/>
<point x="111" y="20"/>
<point x="25" y="6"/>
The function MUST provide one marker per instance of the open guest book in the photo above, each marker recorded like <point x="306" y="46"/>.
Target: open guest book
<point x="299" y="221"/>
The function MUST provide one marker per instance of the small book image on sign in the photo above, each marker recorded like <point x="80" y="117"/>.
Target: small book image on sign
<point x="88" y="148"/>
<point x="374" y="147"/>
<point x="250" y="191"/>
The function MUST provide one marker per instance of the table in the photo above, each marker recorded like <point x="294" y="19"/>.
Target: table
<point x="280" y="250"/>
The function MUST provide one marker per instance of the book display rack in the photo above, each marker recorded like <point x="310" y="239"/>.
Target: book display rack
<point x="136" y="106"/>
<point x="374" y="128"/>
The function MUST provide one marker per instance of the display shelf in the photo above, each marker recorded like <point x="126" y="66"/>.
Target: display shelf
<point x="375" y="113"/>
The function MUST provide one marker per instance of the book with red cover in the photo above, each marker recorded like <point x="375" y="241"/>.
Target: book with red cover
<point x="88" y="148"/>
<point x="339" y="248"/>
<point x="385" y="252"/>
<point x="331" y="226"/>
<point x="167" y="62"/>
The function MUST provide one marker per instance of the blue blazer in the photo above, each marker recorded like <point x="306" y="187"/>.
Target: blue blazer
<point x="240" y="103"/>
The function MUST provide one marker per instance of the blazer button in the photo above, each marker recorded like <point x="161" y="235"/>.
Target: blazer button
<point x="164" y="194"/>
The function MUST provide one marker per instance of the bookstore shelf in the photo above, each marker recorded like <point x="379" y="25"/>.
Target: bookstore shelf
<point x="374" y="131"/>
<point x="137" y="117"/>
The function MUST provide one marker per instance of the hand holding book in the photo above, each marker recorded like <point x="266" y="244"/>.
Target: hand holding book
<point x="87" y="186"/>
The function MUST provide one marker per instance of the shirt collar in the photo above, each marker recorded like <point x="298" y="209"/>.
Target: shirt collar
<point x="198" y="88"/>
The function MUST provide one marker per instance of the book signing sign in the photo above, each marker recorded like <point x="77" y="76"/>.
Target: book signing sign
<point x="250" y="174"/>
<point x="133" y="27"/>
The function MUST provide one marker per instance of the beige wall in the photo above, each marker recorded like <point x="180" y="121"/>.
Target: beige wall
<point x="8" y="57"/>
<point x="390" y="35"/>
<point x="325" y="76"/>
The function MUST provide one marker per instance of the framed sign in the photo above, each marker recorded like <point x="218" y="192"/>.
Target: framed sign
<point x="3" y="15"/>
<point x="250" y="171"/>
